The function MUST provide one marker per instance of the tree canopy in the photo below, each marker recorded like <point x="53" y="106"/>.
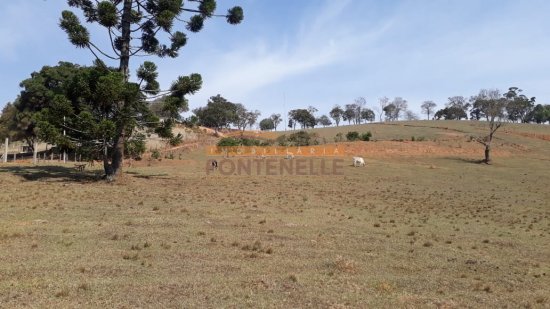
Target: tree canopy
<point x="336" y="114"/>
<point x="304" y="117"/>
<point x="276" y="118"/>
<point x="135" y="28"/>
<point x="79" y="108"/>
<point x="428" y="108"/>
<point x="218" y="113"/>
<point x="267" y="124"/>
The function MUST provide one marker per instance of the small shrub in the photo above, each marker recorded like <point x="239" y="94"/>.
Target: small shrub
<point x="250" y="142"/>
<point x="366" y="136"/>
<point x="352" y="136"/>
<point x="339" y="137"/>
<point x="229" y="141"/>
<point x="282" y="140"/>
<point x="300" y="138"/>
<point x="155" y="154"/>
<point x="242" y="141"/>
<point x="176" y="140"/>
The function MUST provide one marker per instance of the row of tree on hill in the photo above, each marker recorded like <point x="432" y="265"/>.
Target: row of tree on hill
<point x="489" y="105"/>
<point x="220" y="113"/>
<point x="48" y="93"/>
<point x="516" y="107"/>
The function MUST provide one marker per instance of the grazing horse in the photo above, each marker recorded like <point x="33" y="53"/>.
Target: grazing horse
<point x="358" y="161"/>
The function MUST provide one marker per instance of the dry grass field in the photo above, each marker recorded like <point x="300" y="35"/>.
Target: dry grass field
<point x="422" y="225"/>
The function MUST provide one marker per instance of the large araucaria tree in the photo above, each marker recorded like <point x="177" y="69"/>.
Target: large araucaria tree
<point x="135" y="28"/>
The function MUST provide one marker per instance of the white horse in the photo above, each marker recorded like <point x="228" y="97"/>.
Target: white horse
<point x="358" y="161"/>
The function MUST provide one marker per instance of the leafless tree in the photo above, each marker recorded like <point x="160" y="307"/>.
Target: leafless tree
<point x="276" y="118"/>
<point x="410" y="115"/>
<point x="360" y="104"/>
<point x="383" y="102"/>
<point x="400" y="106"/>
<point x="428" y="108"/>
<point x="493" y="106"/>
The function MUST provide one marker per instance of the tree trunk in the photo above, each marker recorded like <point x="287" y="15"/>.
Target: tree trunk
<point x="125" y="37"/>
<point x="6" y="145"/>
<point x="35" y="153"/>
<point x="487" y="159"/>
<point x="113" y="170"/>
<point x="117" y="157"/>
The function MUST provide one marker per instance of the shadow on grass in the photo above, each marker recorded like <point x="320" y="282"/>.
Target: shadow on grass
<point x="51" y="173"/>
<point x="466" y="160"/>
<point x="149" y="176"/>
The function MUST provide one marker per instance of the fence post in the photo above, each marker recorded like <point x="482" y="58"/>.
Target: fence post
<point x="5" y="157"/>
<point x="34" y="153"/>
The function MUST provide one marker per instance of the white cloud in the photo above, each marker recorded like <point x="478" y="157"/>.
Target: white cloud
<point x="323" y="39"/>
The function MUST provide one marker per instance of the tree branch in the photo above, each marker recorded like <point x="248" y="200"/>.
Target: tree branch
<point x="103" y="53"/>
<point x="113" y="43"/>
<point x="94" y="53"/>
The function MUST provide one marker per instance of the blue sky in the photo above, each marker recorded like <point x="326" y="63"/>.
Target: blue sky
<point x="292" y="54"/>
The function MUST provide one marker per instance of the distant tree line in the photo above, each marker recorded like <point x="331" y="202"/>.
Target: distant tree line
<point x="29" y="118"/>
<point x="515" y="107"/>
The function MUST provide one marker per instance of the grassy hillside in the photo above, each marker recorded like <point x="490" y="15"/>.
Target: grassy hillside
<point x="422" y="225"/>
<point x="425" y="128"/>
<point x="512" y="137"/>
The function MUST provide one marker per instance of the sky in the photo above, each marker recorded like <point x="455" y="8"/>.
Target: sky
<point x="289" y="54"/>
